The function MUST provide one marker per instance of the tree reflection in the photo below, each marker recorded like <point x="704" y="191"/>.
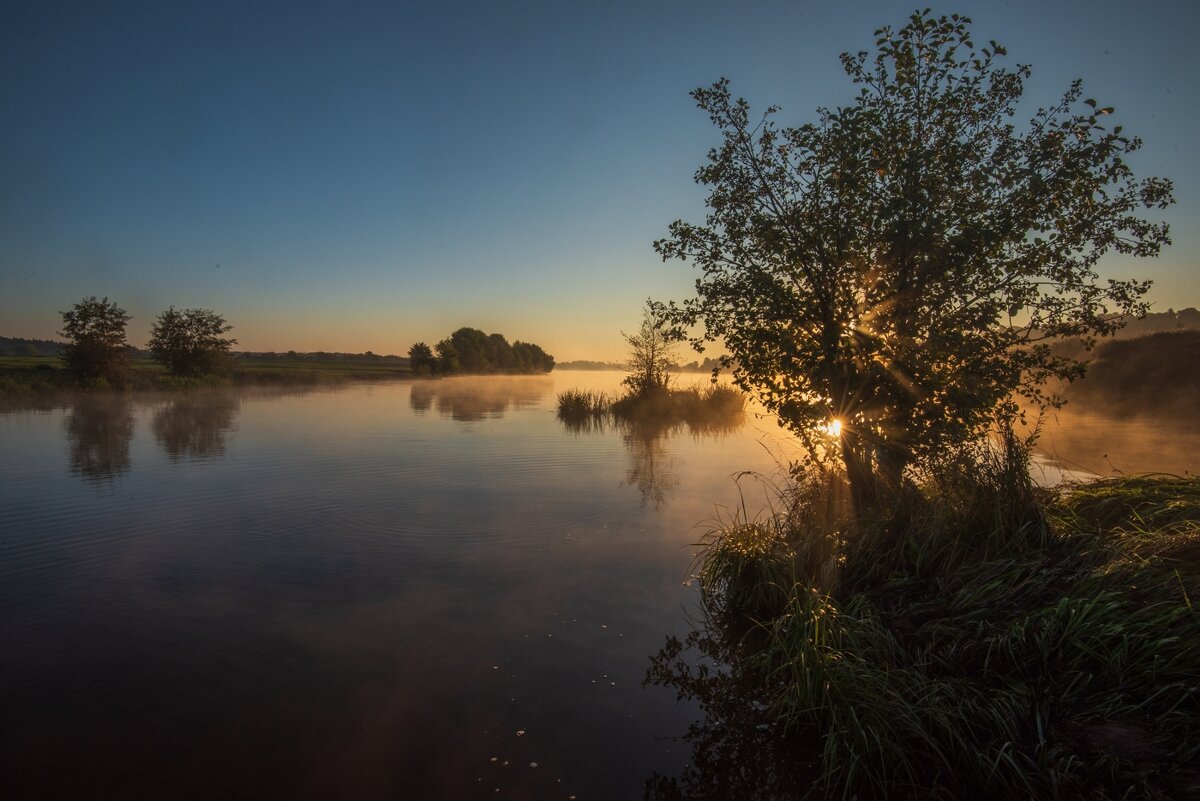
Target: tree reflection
<point x="739" y="749"/>
<point x="470" y="399"/>
<point x="196" y="426"/>
<point x="652" y="467"/>
<point x="99" y="429"/>
<point x="651" y="462"/>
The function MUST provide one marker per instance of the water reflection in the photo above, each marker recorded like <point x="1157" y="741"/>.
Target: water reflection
<point x="99" y="429"/>
<point x="468" y="399"/>
<point x="196" y="426"/>
<point x="739" y="750"/>
<point x="653" y="468"/>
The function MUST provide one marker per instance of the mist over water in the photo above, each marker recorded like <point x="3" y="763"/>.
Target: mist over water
<point x="1083" y="443"/>
<point x="412" y="590"/>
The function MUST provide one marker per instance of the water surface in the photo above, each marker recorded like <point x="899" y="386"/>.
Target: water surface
<point x="401" y="590"/>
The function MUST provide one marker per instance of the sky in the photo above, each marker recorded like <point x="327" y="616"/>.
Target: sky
<point x="349" y="176"/>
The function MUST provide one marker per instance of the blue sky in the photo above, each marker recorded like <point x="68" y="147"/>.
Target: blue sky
<point x="354" y="176"/>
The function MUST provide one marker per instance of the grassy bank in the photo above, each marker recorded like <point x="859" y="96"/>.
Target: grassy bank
<point x="1009" y="642"/>
<point x="25" y="375"/>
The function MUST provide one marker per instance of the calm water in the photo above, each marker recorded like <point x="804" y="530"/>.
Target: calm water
<point x="428" y="590"/>
<point x="362" y="593"/>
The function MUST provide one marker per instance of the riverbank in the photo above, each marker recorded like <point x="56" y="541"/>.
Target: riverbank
<point x="1008" y="642"/>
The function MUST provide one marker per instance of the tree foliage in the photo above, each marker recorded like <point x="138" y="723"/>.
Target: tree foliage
<point x="96" y="348"/>
<point x="421" y="359"/>
<point x="651" y="357"/>
<point x="903" y="264"/>
<point x="471" y="351"/>
<point x="191" y="342"/>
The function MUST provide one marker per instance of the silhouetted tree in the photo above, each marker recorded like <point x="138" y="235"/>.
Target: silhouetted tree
<point x="472" y="347"/>
<point x="469" y="350"/>
<point x="501" y="353"/>
<point x="190" y="342"/>
<point x="651" y="356"/>
<point x="902" y="264"/>
<point x="421" y="359"/>
<point x="448" y="362"/>
<point x="530" y="358"/>
<point x="96" y="350"/>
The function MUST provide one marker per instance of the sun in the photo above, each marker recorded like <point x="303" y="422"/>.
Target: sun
<point x="834" y="428"/>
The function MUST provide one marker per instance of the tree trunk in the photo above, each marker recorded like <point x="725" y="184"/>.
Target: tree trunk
<point x="856" y="457"/>
<point x="876" y="477"/>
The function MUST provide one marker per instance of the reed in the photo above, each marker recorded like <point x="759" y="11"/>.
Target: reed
<point x="581" y="404"/>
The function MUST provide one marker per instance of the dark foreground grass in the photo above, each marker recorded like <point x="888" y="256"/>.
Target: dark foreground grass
<point x="1009" y="643"/>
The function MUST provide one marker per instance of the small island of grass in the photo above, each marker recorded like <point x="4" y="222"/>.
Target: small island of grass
<point x="649" y="396"/>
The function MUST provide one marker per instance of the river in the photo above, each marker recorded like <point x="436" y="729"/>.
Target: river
<point x="397" y="590"/>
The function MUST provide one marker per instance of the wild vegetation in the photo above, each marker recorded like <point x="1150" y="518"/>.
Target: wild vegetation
<point x="915" y="618"/>
<point x="1011" y="643"/>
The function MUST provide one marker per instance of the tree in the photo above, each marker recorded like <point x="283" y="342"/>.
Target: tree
<point x="472" y="347"/>
<point x="530" y="358"/>
<point x="651" y="356"/>
<point x="190" y="342"/>
<point x="421" y="359"/>
<point x="448" y="362"/>
<point x="902" y="265"/>
<point x="96" y="349"/>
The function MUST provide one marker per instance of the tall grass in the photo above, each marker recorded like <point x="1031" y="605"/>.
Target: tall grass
<point x="581" y="403"/>
<point x="1008" y="642"/>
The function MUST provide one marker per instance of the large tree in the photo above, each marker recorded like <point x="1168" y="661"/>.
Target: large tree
<point x="903" y="264"/>
<point x="191" y="342"/>
<point x="96" y="348"/>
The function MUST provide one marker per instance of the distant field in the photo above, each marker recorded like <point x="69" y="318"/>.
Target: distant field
<point x="48" y="373"/>
<point x="348" y="369"/>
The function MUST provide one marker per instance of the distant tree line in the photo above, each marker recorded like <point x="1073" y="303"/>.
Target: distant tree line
<point x="322" y="356"/>
<point x="589" y="364"/>
<point x="471" y="351"/>
<point x="705" y="366"/>
<point x="18" y="346"/>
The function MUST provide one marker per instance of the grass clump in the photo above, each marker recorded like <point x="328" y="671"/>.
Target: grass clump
<point x="709" y="408"/>
<point x="582" y="404"/>
<point x="1001" y="641"/>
